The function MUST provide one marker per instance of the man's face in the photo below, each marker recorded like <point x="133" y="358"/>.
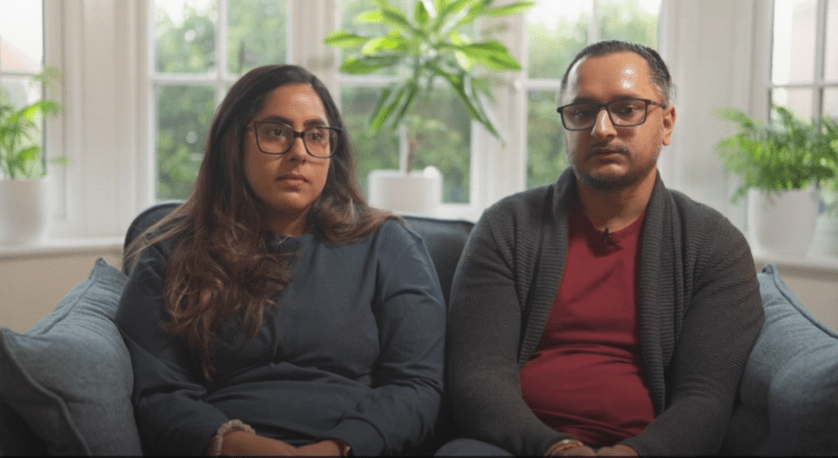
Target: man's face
<point x="607" y="156"/>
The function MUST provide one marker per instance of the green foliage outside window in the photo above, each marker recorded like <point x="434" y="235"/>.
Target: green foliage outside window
<point x="255" y="36"/>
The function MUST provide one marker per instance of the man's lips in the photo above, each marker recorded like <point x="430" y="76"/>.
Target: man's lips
<point x="607" y="152"/>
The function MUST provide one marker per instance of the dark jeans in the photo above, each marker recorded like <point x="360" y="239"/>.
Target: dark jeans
<point x="470" y="447"/>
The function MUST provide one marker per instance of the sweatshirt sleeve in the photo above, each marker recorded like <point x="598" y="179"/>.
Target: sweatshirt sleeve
<point x="168" y="397"/>
<point x="403" y="407"/>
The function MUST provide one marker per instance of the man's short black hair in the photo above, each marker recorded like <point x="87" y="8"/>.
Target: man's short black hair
<point x="660" y="74"/>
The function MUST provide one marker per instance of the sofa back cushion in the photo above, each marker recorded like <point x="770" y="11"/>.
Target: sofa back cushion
<point x="788" y="397"/>
<point x="65" y="385"/>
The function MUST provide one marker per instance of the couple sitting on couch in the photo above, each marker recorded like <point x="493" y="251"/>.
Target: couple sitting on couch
<point x="275" y="313"/>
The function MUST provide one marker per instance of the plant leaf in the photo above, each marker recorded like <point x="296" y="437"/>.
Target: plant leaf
<point x="368" y="64"/>
<point x="396" y="18"/>
<point x="393" y="42"/>
<point x="345" y="40"/>
<point x="421" y="14"/>
<point x="370" y="17"/>
<point x="506" y="10"/>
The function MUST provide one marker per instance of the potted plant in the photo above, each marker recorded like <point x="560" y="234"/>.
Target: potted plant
<point x="424" y="47"/>
<point x="781" y="163"/>
<point x="24" y="188"/>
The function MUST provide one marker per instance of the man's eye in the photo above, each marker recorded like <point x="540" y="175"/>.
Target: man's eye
<point x="583" y="112"/>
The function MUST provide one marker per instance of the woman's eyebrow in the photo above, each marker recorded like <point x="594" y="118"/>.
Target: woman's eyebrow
<point x="317" y="122"/>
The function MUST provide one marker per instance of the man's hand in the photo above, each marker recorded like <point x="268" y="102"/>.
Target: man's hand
<point x="574" y="448"/>
<point x="617" y="450"/>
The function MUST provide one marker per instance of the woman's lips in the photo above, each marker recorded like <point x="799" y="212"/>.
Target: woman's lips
<point x="293" y="178"/>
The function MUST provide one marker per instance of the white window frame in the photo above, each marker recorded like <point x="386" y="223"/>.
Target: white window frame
<point x="106" y="130"/>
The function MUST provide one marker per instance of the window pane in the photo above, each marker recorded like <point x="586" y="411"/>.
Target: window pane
<point x="21" y="36"/>
<point x="830" y="102"/>
<point x="185" y="35"/>
<point x="831" y="69"/>
<point x="184" y="115"/>
<point x="546" y="158"/>
<point x="256" y="34"/>
<point x="445" y="143"/>
<point x="371" y="153"/>
<point x="556" y="31"/>
<point x="793" y="58"/>
<point x="830" y="190"/>
<point x="797" y="100"/>
<point x="630" y="20"/>
<point x="19" y="91"/>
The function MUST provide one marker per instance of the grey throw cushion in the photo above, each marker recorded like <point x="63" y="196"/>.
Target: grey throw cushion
<point x="789" y="391"/>
<point x="69" y="379"/>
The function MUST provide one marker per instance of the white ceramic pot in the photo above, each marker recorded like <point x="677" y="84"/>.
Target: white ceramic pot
<point x="418" y="193"/>
<point x="825" y="241"/>
<point x="24" y="211"/>
<point x="782" y="222"/>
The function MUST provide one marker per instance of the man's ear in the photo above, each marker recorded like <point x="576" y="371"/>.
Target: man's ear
<point x="669" y="117"/>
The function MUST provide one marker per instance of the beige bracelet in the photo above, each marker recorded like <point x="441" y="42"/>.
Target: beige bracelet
<point x="562" y="445"/>
<point x="218" y="439"/>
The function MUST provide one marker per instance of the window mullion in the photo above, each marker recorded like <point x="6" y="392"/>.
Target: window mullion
<point x="221" y="75"/>
<point x="820" y="58"/>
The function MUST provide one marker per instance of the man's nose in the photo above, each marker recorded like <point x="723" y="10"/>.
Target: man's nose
<point x="603" y="126"/>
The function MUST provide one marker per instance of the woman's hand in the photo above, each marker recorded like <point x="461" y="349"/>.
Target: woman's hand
<point x="324" y="448"/>
<point x="241" y="443"/>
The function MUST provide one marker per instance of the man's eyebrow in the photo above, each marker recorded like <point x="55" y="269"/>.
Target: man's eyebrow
<point x="586" y="99"/>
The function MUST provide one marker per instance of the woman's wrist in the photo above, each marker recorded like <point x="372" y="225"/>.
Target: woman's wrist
<point x="343" y="448"/>
<point x="215" y="446"/>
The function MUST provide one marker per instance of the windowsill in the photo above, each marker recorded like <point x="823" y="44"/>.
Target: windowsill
<point x="821" y="265"/>
<point x="61" y="247"/>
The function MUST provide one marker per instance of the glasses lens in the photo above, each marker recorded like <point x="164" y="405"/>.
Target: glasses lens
<point x="629" y="112"/>
<point x="580" y="115"/>
<point x="320" y="141"/>
<point x="275" y="138"/>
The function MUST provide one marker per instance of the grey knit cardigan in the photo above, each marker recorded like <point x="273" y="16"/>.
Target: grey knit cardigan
<point x="700" y="314"/>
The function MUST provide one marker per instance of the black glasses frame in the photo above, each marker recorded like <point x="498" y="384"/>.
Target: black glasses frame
<point x="600" y="106"/>
<point x="296" y="134"/>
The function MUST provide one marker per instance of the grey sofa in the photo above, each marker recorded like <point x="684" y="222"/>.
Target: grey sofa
<point x="65" y="385"/>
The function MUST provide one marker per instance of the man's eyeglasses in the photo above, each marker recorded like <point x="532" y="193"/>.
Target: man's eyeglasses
<point x="277" y="138"/>
<point x="623" y="113"/>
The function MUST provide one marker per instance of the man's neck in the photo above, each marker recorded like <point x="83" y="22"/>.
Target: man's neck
<point x="615" y="209"/>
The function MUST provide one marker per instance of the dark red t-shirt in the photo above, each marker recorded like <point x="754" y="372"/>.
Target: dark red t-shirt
<point x="586" y="376"/>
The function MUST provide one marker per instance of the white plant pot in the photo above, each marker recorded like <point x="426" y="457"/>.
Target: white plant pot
<point x="825" y="241"/>
<point x="418" y="193"/>
<point x="782" y="222"/>
<point x="24" y="211"/>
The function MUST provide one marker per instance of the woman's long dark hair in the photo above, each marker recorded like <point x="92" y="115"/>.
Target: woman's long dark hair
<point x="222" y="267"/>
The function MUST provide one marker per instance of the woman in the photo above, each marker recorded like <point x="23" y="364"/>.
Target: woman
<point x="274" y="312"/>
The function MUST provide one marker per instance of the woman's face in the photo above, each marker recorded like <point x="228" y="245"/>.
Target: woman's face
<point x="288" y="184"/>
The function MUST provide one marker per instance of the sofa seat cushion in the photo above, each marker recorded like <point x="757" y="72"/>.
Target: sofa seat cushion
<point x="69" y="378"/>
<point x="789" y="391"/>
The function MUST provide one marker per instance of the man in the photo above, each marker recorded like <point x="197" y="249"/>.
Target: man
<point x="602" y="314"/>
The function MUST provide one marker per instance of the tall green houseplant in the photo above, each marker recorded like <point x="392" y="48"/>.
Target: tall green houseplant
<point x="786" y="153"/>
<point x="422" y="47"/>
<point x="21" y="153"/>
